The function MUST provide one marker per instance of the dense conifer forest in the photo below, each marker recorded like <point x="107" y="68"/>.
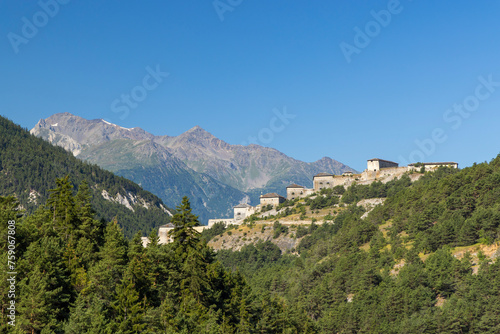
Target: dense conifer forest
<point x="78" y="275"/>
<point x="413" y="265"/>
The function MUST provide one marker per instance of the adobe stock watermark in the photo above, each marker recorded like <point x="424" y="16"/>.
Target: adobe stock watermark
<point x="453" y="116"/>
<point x="277" y="124"/>
<point x="223" y="6"/>
<point x="11" y="272"/>
<point x="139" y="93"/>
<point x="30" y="27"/>
<point x="373" y="28"/>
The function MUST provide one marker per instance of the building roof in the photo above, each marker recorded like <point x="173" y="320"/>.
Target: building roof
<point x="271" y="195"/>
<point x="242" y="205"/>
<point x="377" y="159"/>
<point x="294" y="185"/>
<point x="433" y="163"/>
<point x="348" y="172"/>
<point x="169" y="225"/>
<point x="323" y="174"/>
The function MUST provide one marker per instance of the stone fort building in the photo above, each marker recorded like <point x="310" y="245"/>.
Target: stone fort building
<point x="376" y="170"/>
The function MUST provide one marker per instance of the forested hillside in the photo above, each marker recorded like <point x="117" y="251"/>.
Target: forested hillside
<point x="75" y="274"/>
<point x="426" y="261"/>
<point x="386" y="273"/>
<point x="29" y="167"/>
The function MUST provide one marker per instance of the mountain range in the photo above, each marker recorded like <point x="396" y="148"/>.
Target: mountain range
<point x="214" y="174"/>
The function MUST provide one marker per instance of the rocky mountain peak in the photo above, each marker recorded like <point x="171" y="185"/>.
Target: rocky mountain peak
<point x="41" y="124"/>
<point x="196" y="137"/>
<point x="197" y="132"/>
<point x="196" y="128"/>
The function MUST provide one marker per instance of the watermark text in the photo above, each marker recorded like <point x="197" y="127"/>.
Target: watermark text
<point x="453" y="116"/>
<point x="363" y="37"/>
<point x="139" y="93"/>
<point x="30" y="27"/>
<point x="223" y="6"/>
<point x="11" y="272"/>
<point x="277" y="124"/>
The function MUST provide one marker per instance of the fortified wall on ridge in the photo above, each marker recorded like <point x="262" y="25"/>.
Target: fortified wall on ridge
<point x="376" y="170"/>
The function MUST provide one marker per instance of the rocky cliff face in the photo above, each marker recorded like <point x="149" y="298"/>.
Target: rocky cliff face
<point x="215" y="174"/>
<point x="243" y="235"/>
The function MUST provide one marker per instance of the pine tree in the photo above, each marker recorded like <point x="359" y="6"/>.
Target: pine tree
<point x="104" y="276"/>
<point x="34" y="308"/>
<point x="112" y="261"/>
<point x="139" y="270"/>
<point x="114" y="251"/>
<point x="62" y="206"/>
<point x="128" y="310"/>
<point x="88" y="227"/>
<point x="184" y="234"/>
<point x="88" y="315"/>
<point x="82" y="201"/>
<point x="194" y="280"/>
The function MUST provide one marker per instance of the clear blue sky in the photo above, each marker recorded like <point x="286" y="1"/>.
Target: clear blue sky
<point x="231" y="66"/>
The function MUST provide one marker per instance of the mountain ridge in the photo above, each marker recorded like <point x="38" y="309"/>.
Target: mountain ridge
<point x="196" y="157"/>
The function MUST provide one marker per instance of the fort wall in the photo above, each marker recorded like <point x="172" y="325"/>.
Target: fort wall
<point x="377" y="170"/>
